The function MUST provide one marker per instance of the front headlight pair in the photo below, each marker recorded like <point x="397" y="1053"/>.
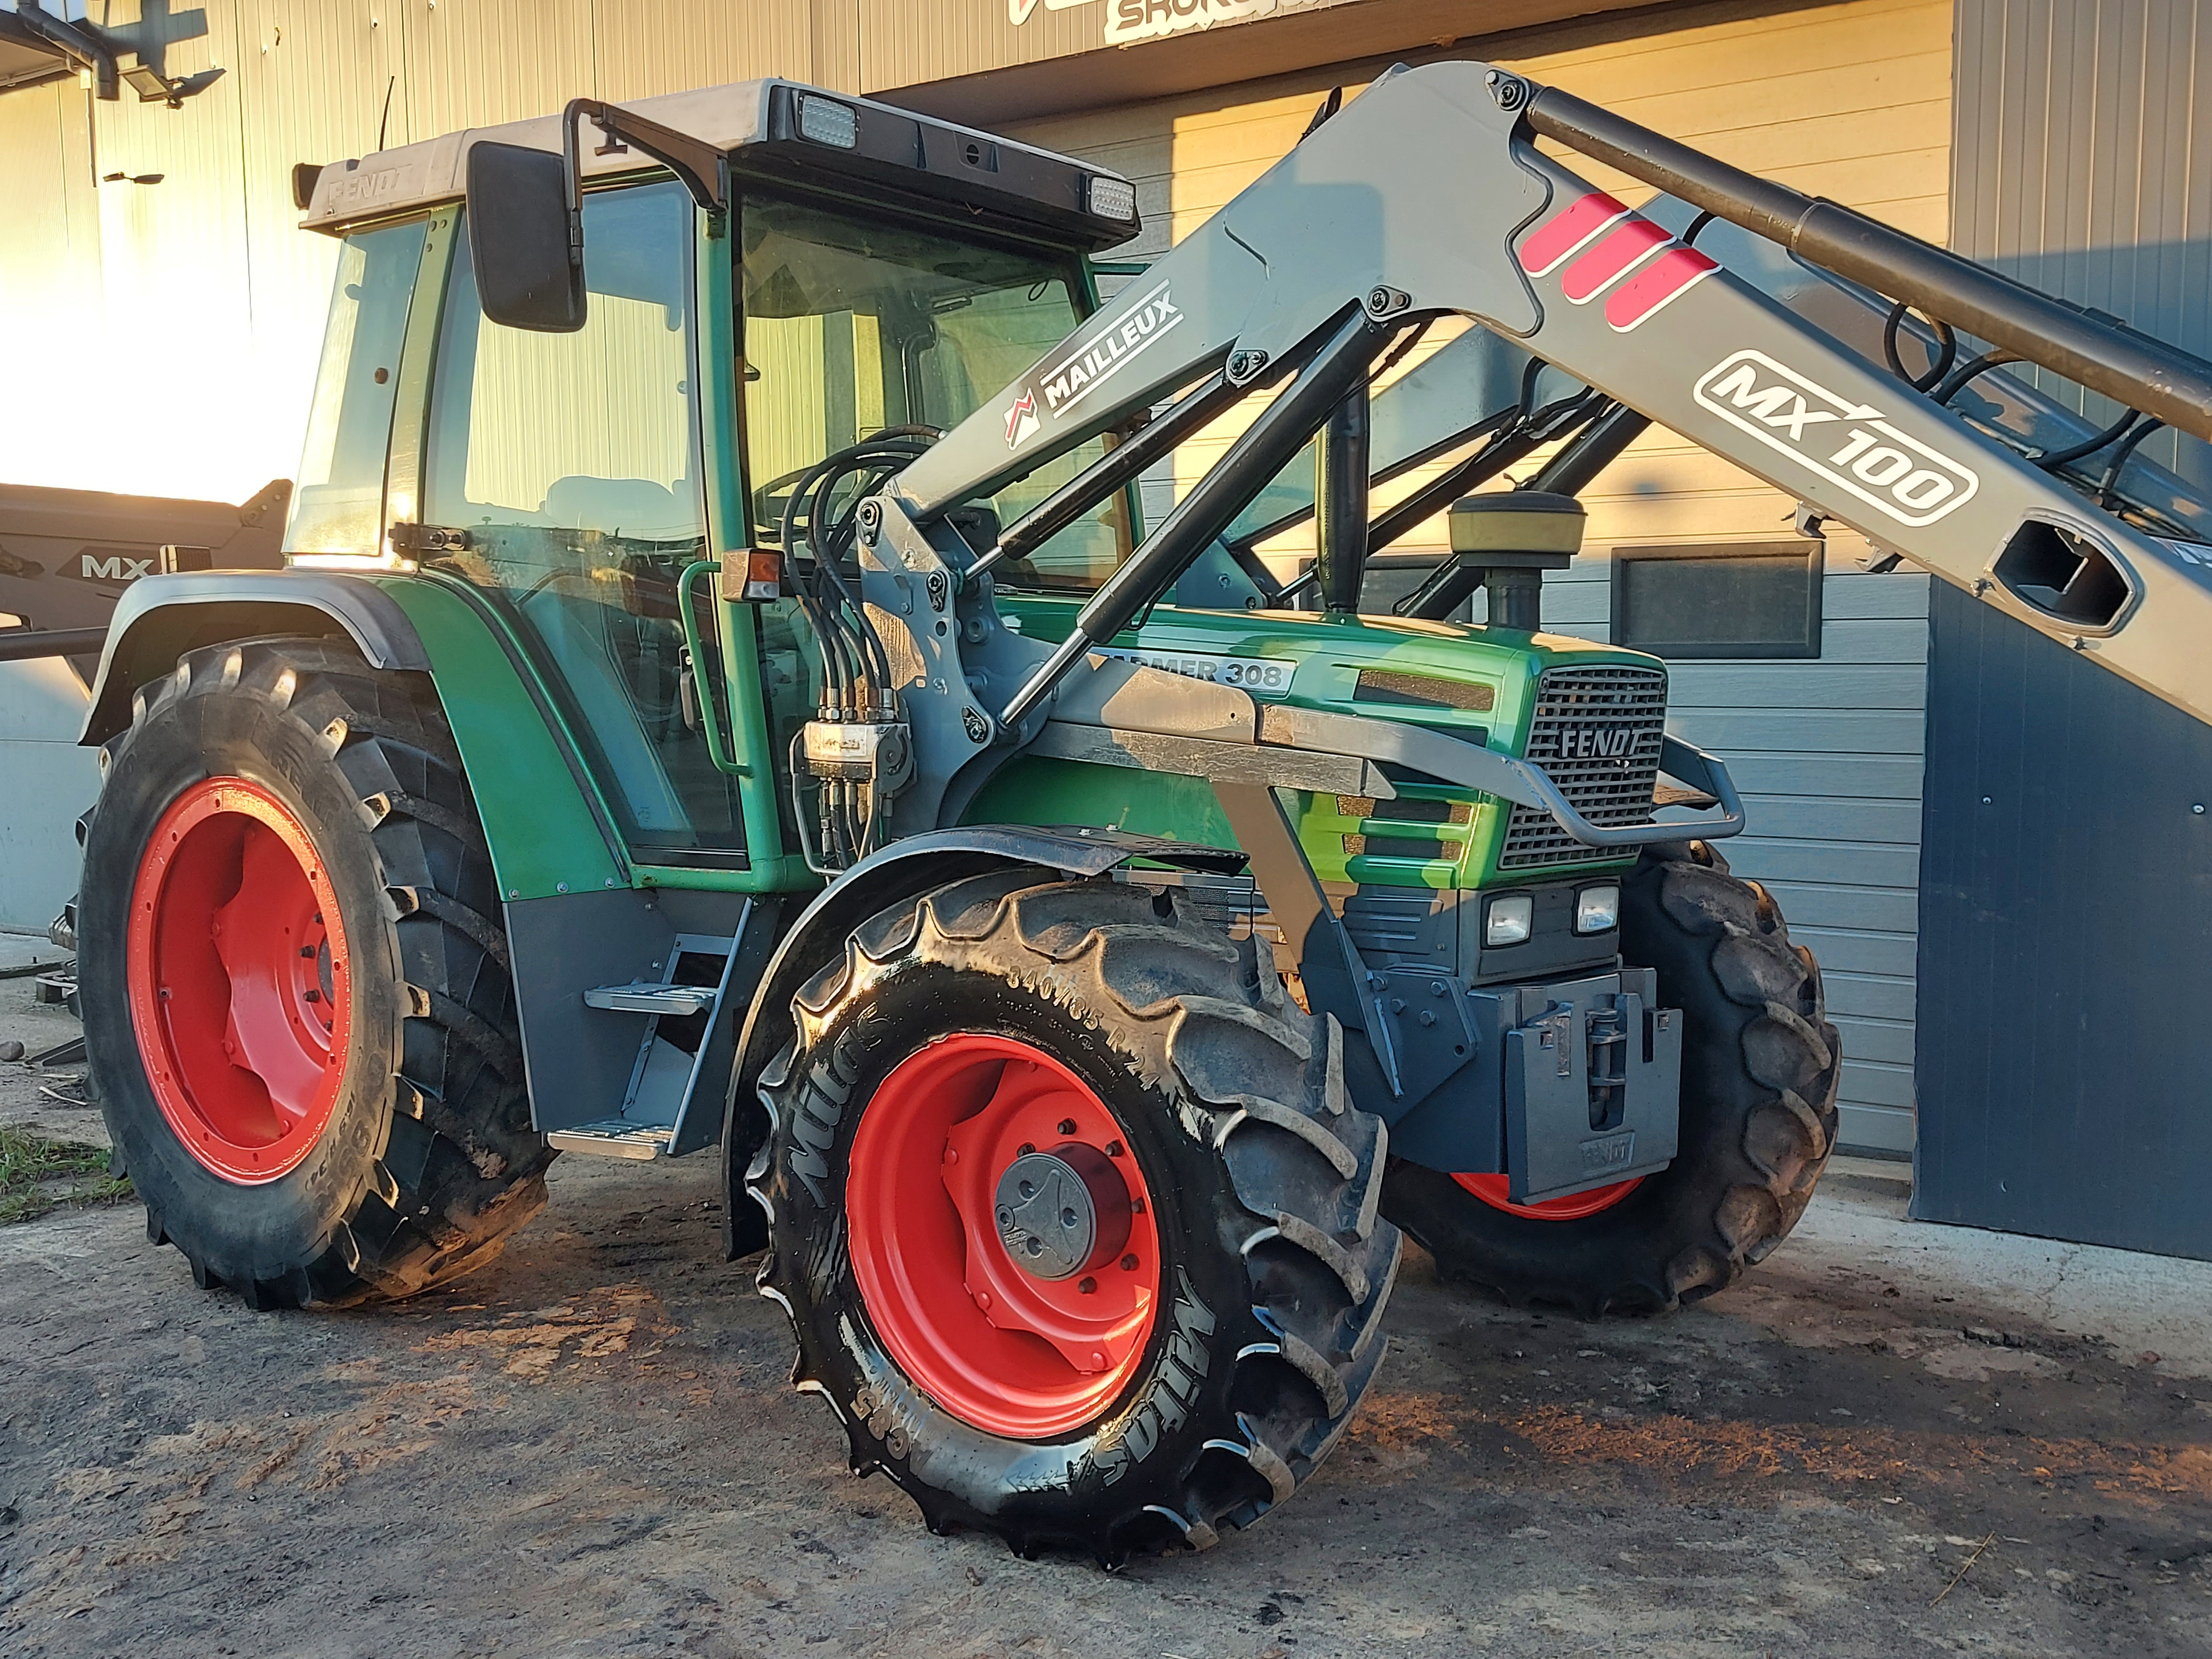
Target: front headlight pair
<point x="1511" y="917"/>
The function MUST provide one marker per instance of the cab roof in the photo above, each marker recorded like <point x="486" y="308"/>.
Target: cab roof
<point x="774" y="130"/>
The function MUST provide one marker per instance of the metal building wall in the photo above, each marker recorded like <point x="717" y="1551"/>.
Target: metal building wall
<point x="2067" y="895"/>
<point x="179" y="306"/>
<point x="2083" y="164"/>
<point x="1849" y="100"/>
<point x="2066" y="884"/>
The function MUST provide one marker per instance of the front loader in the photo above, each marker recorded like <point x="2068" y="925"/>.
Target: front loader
<point x="723" y="695"/>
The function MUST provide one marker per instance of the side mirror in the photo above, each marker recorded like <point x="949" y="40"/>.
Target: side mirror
<point x="519" y="222"/>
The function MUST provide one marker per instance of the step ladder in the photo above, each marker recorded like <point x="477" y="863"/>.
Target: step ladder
<point x="688" y="1034"/>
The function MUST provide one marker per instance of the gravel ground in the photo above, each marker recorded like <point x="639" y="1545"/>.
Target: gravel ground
<point x="1893" y="1439"/>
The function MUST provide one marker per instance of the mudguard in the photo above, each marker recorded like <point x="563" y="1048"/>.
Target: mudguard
<point x="160" y="618"/>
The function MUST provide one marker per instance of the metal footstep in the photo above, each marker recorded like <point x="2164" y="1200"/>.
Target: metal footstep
<point x="688" y="1033"/>
<point x="613" y="1137"/>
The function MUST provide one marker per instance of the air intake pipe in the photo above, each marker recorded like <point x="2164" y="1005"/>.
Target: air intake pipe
<point x="1505" y="542"/>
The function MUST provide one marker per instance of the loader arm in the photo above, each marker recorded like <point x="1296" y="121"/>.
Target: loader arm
<point x="1305" y="277"/>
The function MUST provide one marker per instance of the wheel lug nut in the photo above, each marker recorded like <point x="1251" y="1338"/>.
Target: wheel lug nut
<point x="1068" y="1125"/>
<point x="1087" y="1285"/>
<point x="1112" y="1148"/>
<point x="1128" y="1264"/>
<point x="1024" y="1150"/>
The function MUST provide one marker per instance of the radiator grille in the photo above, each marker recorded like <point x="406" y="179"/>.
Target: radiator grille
<point x="1597" y="732"/>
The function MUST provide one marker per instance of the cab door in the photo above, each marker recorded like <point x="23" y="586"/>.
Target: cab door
<point x="573" y="464"/>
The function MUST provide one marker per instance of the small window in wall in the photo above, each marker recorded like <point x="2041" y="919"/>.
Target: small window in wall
<point x="1725" y="599"/>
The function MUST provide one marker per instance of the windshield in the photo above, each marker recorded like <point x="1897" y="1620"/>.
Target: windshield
<point x="851" y="325"/>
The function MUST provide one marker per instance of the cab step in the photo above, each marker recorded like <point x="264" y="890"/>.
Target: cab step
<point x="681" y="1030"/>
<point x="614" y="1137"/>
<point x="646" y="997"/>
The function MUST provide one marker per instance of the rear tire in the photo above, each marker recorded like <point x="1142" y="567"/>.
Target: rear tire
<point x="1259" y="1186"/>
<point x="1760" y="1066"/>
<point x="415" y="1159"/>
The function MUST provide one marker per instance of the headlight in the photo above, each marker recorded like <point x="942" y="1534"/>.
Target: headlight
<point x="1598" y="909"/>
<point x="1508" y="918"/>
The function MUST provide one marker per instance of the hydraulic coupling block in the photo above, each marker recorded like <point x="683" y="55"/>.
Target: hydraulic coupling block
<point x="877" y="753"/>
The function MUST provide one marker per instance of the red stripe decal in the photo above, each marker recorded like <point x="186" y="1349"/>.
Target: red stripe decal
<point x="1601" y="267"/>
<point x="1670" y="274"/>
<point x="1560" y="235"/>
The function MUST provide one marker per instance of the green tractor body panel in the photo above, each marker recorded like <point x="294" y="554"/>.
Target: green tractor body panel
<point x="543" y="815"/>
<point x="1473" y="683"/>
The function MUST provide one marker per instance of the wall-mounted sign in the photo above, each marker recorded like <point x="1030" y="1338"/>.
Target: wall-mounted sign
<point x="1128" y="22"/>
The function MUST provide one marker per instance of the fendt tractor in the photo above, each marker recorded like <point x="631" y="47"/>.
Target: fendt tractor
<point x="722" y="694"/>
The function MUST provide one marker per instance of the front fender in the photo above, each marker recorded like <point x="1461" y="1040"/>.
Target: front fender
<point x="900" y="871"/>
<point x="160" y="618"/>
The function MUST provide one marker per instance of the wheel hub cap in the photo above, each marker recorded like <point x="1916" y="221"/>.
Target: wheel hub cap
<point x="1062" y="1211"/>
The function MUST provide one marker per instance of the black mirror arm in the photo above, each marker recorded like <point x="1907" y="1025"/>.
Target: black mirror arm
<point x="704" y="168"/>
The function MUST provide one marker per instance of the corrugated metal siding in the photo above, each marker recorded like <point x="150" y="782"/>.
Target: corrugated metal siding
<point x="644" y="47"/>
<point x="50" y="252"/>
<point x="2062" y="967"/>
<point x="2083" y="165"/>
<point x="1826" y="753"/>
<point x="49" y="781"/>
<point x="1848" y="100"/>
<point x="2069" y="895"/>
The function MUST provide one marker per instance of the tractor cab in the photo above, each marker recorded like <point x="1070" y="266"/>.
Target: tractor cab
<point x="859" y="269"/>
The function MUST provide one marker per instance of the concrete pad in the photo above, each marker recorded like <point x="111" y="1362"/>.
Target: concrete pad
<point x="2136" y="1303"/>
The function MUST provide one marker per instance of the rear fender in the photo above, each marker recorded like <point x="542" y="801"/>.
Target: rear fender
<point x="900" y="871"/>
<point x="160" y="618"/>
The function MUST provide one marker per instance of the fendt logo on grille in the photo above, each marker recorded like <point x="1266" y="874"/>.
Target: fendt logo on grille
<point x="1597" y="742"/>
<point x="1849" y="444"/>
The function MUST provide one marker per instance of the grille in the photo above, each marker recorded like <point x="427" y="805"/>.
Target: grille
<point x="1583" y="714"/>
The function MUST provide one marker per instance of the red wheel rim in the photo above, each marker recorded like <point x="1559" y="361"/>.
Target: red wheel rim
<point x="1492" y="1189"/>
<point x="237" y="967"/>
<point x="1004" y="1351"/>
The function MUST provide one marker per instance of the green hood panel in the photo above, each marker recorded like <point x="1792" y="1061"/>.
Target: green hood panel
<point x="1475" y="684"/>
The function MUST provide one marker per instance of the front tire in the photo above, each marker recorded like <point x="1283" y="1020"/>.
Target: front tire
<point x="295" y="983"/>
<point x="1206" y="1362"/>
<point x="1760" y="1066"/>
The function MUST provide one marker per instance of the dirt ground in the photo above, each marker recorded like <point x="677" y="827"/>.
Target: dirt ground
<point x="1893" y="1439"/>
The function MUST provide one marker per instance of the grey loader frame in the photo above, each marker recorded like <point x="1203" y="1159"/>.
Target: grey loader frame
<point x="1312" y="269"/>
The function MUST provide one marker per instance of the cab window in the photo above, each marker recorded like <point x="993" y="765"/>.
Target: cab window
<point x="852" y="325"/>
<point x="572" y="460"/>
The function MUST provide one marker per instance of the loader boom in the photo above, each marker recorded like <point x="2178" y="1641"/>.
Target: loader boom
<point x="1519" y="244"/>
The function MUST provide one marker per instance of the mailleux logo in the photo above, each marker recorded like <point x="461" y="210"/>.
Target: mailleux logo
<point x="1849" y="444"/>
<point x="1082" y="368"/>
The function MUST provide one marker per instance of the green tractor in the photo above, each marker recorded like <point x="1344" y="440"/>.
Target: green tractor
<point x="723" y="696"/>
